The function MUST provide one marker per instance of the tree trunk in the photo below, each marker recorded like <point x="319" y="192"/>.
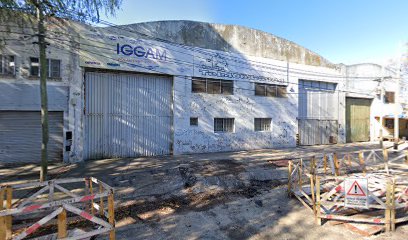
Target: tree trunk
<point x="43" y="89"/>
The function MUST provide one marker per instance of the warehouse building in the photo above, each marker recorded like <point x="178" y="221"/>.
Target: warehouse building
<point x="167" y="87"/>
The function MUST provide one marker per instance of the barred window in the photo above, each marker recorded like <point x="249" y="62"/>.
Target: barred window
<point x="7" y="65"/>
<point x="224" y="125"/>
<point x="270" y="90"/>
<point x="53" y="67"/>
<point x="262" y="124"/>
<point x="212" y="86"/>
<point x="193" y="121"/>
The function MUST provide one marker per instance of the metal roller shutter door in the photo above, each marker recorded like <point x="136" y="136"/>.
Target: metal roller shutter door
<point x="127" y="115"/>
<point x="20" y="136"/>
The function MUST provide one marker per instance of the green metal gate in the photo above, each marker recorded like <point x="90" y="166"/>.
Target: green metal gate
<point x="358" y="119"/>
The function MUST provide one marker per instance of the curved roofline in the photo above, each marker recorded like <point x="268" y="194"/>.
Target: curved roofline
<point x="236" y="25"/>
<point x="297" y="52"/>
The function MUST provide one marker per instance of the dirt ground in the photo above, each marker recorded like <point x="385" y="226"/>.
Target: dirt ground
<point x="265" y="214"/>
<point x="237" y="195"/>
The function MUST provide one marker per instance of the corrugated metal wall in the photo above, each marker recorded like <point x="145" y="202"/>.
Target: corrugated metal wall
<point x="20" y="136"/>
<point x="127" y="115"/>
<point x="318" y="112"/>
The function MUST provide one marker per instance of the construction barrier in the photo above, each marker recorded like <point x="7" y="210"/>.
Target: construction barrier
<point x="320" y="185"/>
<point x="89" y="199"/>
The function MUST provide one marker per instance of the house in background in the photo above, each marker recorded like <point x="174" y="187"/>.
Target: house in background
<point x="372" y="112"/>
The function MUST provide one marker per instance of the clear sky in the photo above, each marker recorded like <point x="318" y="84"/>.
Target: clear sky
<point x="343" y="31"/>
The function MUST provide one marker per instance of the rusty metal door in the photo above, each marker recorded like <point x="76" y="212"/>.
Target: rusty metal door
<point x="357" y="119"/>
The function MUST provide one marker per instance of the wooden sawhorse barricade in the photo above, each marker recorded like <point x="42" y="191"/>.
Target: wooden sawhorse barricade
<point x="87" y="198"/>
<point x="319" y="186"/>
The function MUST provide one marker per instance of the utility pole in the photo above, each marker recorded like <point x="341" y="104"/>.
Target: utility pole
<point x="382" y="102"/>
<point x="43" y="89"/>
<point x="397" y="106"/>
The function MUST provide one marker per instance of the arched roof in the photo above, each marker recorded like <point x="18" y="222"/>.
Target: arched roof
<point x="229" y="38"/>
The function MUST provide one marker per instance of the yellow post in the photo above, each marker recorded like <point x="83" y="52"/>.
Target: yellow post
<point x="362" y="162"/>
<point x="92" y="201"/>
<point x="9" y="194"/>
<point x="290" y="166"/>
<point x="406" y="156"/>
<point x="325" y="164"/>
<point x="313" y="194"/>
<point x="312" y="165"/>
<point x="101" y="207"/>
<point x="388" y="208"/>
<point x="385" y="156"/>
<point x="336" y="164"/>
<point x="318" y="219"/>
<point x="2" y="219"/>
<point x="62" y="224"/>
<point x="300" y="173"/>
<point x="111" y="211"/>
<point x="392" y="214"/>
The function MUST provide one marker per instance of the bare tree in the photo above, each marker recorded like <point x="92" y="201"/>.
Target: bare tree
<point x="41" y="10"/>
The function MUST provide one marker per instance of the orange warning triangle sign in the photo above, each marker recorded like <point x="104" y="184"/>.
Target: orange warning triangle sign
<point x="356" y="190"/>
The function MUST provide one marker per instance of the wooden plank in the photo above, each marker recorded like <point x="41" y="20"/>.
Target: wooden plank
<point x="336" y="164"/>
<point x="366" y="230"/>
<point x="289" y="179"/>
<point x="2" y="219"/>
<point x="111" y="211"/>
<point x="362" y="161"/>
<point x="101" y="211"/>
<point x="8" y="219"/>
<point x="318" y="219"/>
<point x="92" y="201"/>
<point x="62" y="224"/>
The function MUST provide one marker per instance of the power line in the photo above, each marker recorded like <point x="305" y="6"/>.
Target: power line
<point x="264" y="65"/>
<point x="139" y="66"/>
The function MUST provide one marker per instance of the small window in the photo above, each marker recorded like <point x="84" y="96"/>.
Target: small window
<point x="389" y="123"/>
<point x="53" y="67"/>
<point x="193" y="121"/>
<point x="212" y="86"/>
<point x="389" y="97"/>
<point x="7" y="65"/>
<point x="263" y="124"/>
<point x="34" y="67"/>
<point x="270" y="90"/>
<point x="223" y="124"/>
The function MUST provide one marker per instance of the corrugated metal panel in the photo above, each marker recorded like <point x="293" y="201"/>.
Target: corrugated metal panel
<point x="127" y="115"/>
<point x="26" y="97"/>
<point x="318" y="112"/>
<point x="20" y="136"/>
<point x="317" y="100"/>
<point x="316" y="132"/>
<point x="358" y="119"/>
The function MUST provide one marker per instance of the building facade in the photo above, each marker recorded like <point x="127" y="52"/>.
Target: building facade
<point x="169" y="87"/>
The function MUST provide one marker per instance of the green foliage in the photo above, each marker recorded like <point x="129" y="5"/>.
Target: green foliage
<point x="79" y="10"/>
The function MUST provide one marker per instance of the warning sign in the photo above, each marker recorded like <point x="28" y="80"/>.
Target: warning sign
<point x="356" y="193"/>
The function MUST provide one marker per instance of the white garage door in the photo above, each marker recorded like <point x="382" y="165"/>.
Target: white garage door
<point x="20" y="136"/>
<point x="127" y="115"/>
